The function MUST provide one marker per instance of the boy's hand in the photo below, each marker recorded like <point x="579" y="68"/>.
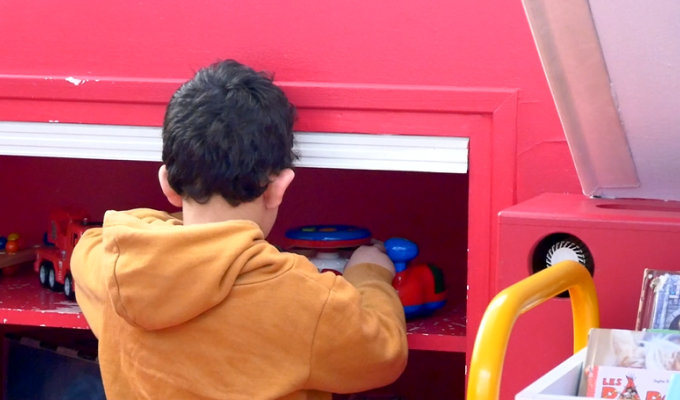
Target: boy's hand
<point x="371" y="255"/>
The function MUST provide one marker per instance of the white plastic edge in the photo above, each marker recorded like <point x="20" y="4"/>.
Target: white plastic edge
<point x="561" y="383"/>
<point x="316" y="150"/>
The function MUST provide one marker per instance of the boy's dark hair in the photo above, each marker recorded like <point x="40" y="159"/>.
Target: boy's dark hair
<point x="225" y="132"/>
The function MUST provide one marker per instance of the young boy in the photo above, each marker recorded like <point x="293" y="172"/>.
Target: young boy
<point x="204" y="307"/>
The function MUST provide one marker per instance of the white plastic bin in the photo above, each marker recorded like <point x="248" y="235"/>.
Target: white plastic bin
<point x="559" y="384"/>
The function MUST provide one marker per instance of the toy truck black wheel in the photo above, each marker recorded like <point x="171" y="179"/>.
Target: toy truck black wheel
<point x="69" y="289"/>
<point x="52" y="283"/>
<point x="44" y="272"/>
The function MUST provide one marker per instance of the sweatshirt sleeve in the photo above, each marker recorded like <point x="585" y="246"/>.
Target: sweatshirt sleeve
<point x="360" y="340"/>
<point x="88" y="275"/>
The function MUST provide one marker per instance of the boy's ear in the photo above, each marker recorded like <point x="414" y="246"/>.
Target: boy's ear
<point x="273" y="196"/>
<point x="174" y="198"/>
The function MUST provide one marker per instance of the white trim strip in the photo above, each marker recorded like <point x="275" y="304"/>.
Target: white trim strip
<point x="317" y="150"/>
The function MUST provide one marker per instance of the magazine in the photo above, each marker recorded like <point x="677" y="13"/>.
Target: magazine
<point x="639" y="355"/>
<point x="627" y="383"/>
<point x="659" y="301"/>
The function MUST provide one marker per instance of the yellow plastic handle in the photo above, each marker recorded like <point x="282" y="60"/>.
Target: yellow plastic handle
<point x="486" y="366"/>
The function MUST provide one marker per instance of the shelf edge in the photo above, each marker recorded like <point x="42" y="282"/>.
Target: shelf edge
<point x="437" y="342"/>
<point x="48" y="319"/>
<point x="316" y="149"/>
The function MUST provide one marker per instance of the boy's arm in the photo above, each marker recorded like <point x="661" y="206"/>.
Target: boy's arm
<point x="360" y="341"/>
<point x="88" y="274"/>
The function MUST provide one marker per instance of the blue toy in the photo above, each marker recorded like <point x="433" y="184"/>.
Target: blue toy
<point x="328" y="236"/>
<point x="421" y="287"/>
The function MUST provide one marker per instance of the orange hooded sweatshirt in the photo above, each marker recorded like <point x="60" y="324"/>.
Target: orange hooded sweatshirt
<point x="213" y="311"/>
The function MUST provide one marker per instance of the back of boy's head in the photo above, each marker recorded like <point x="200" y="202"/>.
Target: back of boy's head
<point x="226" y="131"/>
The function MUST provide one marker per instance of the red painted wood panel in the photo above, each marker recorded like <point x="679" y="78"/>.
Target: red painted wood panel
<point x="482" y="43"/>
<point x="487" y="117"/>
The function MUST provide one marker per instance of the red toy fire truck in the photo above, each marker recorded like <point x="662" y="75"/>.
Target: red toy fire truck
<point x="53" y="263"/>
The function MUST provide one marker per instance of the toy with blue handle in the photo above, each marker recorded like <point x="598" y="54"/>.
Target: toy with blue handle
<point x="421" y="287"/>
<point x="401" y="251"/>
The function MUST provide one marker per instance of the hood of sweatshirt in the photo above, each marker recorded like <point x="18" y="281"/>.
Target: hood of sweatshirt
<point x="160" y="273"/>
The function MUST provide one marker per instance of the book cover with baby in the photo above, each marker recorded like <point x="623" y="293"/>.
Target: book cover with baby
<point x="629" y="364"/>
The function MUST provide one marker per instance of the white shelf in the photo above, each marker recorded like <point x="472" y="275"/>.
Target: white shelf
<point x="317" y="150"/>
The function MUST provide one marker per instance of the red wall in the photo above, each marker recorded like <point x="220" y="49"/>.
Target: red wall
<point x="478" y="43"/>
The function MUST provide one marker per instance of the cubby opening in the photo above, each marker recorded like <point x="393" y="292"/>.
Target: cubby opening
<point x="428" y="208"/>
<point x="431" y="209"/>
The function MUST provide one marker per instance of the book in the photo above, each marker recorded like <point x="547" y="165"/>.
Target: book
<point x="606" y="382"/>
<point x="659" y="301"/>
<point x="638" y="354"/>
